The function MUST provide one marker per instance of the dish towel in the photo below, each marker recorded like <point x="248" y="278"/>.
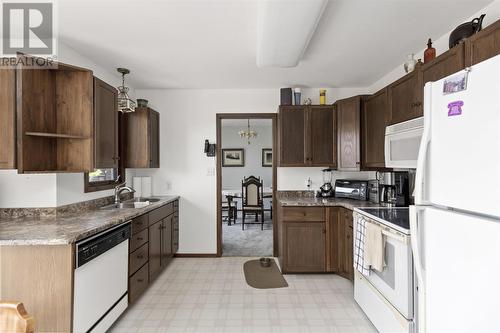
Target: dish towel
<point x="359" y="246"/>
<point x="374" y="247"/>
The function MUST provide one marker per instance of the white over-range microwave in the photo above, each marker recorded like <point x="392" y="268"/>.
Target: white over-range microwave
<point x="402" y="142"/>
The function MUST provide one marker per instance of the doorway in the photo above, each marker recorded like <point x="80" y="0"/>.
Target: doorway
<point x="246" y="160"/>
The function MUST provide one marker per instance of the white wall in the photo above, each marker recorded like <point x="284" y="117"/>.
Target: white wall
<point x="51" y="190"/>
<point x="232" y="176"/>
<point x="187" y="118"/>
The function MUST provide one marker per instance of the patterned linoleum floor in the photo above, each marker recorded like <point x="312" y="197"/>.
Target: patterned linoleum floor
<point x="211" y="295"/>
<point x="251" y="242"/>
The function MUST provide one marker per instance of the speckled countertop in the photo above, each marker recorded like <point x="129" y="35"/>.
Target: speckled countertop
<point x="68" y="228"/>
<point x="324" y="202"/>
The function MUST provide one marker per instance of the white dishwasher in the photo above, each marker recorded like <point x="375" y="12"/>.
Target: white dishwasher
<point x="101" y="279"/>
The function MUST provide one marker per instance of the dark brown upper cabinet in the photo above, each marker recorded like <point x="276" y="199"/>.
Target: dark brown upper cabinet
<point x="483" y="45"/>
<point x="446" y="64"/>
<point x="307" y="136"/>
<point x="142" y="129"/>
<point x="374" y="116"/>
<point x="105" y="125"/>
<point x="406" y="97"/>
<point x="348" y="133"/>
<point x="7" y="119"/>
<point x="292" y="136"/>
<point x="54" y="112"/>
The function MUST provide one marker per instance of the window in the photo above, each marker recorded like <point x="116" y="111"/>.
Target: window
<point x="101" y="179"/>
<point x="102" y="175"/>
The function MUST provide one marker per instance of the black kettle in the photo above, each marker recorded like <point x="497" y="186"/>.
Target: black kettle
<point x="466" y="30"/>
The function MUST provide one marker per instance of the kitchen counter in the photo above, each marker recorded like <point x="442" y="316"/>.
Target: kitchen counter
<point x="68" y="228"/>
<point x="324" y="202"/>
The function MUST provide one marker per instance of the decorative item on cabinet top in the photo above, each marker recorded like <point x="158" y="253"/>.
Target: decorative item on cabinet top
<point x="410" y="63"/>
<point x="141" y="102"/>
<point x="466" y="30"/>
<point x="430" y="52"/>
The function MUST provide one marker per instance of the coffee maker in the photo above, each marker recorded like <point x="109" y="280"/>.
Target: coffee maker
<point x="394" y="189"/>
<point x="326" y="190"/>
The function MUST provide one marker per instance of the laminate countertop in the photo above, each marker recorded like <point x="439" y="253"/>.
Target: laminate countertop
<point x="324" y="202"/>
<point x="69" y="228"/>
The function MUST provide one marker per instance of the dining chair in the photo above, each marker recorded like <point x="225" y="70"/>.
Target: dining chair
<point x="15" y="319"/>
<point x="252" y="193"/>
<point x="229" y="206"/>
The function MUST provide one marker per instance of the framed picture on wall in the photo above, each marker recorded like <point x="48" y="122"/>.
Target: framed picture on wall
<point x="234" y="157"/>
<point x="267" y="157"/>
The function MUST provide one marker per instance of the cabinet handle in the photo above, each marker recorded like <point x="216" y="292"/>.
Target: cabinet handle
<point x="140" y="256"/>
<point x="139" y="238"/>
<point x="324" y="231"/>
<point x="140" y="280"/>
<point x="417" y="104"/>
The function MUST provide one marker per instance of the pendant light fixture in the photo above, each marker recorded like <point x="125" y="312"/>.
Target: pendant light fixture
<point x="248" y="133"/>
<point x="125" y="103"/>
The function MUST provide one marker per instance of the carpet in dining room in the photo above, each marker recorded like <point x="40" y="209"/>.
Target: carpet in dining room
<point x="251" y="242"/>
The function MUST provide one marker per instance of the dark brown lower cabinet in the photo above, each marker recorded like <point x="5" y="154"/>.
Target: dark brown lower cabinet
<point x="155" y="249"/>
<point x="305" y="244"/>
<point x="345" y="244"/>
<point x="315" y="240"/>
<point x="153" y="243"/>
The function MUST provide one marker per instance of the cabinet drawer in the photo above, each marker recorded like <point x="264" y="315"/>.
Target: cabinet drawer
<point x="303" y="214"/>
<point x="138" y="240"/>
<point x="138" y="258"/>
<point x="137" y="283"/>
<point x="139" y="223"/>
<point x="160" y="213"/>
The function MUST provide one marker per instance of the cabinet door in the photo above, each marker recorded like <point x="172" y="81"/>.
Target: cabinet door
<point x="406" y="97"/>
<point x="7" y="119"/>
<point x="483" y="45"/>
<point x="175" y="233"/>
<point x="348" y="134"/>
<point x="334" y="233"/>
<point x="348" y="245"/>
<point x="166" y="240"/>
<point x="305" y="246"/>
<point x="105" y="125"/>
<point x="292" y="124"/>
<point x="154" y="143"/>
<point x="447" y="63"/>
<point x="321" y="137"/>
<point x="373" y="123"/>
<point x="155" y="246"/>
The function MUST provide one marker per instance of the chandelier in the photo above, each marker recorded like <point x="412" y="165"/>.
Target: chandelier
<point x="125" y="103"/>
<point x="248" y="133"/>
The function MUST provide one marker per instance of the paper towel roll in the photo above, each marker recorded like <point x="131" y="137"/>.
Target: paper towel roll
<point x="137" y="186"/>
<point x="146" y="187"/>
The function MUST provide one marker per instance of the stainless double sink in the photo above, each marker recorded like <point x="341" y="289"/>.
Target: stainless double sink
<point x="131" y="203"/>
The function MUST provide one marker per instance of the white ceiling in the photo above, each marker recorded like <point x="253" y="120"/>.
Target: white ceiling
<point x="212" y="43"/>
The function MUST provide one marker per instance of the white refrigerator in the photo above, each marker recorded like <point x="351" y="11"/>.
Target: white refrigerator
<point x="455" y="223"/>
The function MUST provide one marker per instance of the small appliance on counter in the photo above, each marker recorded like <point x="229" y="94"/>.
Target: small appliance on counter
<point x="351" y="189"/>
<point x="373" y="189"/>
<point x="326" y="190"/>
<point x="394" y="189"/>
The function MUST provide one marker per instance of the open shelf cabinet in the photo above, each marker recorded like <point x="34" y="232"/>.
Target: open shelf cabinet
<point x="54" y="119"/>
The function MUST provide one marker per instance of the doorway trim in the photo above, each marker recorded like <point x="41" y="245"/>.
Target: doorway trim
<point x="219" y="118"/>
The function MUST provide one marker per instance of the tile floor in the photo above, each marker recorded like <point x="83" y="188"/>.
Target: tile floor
<point x="211" y="295"/>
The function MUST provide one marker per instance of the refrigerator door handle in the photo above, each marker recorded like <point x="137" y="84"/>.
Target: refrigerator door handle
<point x="424" y="145"/>
<point x="414" y="212"/>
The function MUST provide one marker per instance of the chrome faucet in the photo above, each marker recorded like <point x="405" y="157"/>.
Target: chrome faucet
<point x="118" y="191"/>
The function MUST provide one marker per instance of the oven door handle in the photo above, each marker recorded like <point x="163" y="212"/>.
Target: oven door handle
<point x="397" y="237"/>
